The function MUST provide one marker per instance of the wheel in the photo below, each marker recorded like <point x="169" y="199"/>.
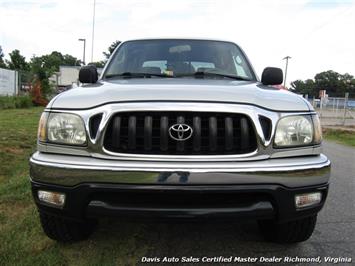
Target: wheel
<point x="64" y="230"/>
<point x="289" y="232"/>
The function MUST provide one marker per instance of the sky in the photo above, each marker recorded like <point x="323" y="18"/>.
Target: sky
<point x="319" y="35"/>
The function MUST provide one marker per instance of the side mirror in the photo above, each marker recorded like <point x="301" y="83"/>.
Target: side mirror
<point x="272" y="76"/>
<point x="88" y="74"/>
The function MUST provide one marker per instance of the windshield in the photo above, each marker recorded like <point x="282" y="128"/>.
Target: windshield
<point x="179" y="58"/>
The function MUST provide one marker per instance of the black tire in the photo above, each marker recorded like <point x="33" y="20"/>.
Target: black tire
<point x="289" y="232"/>
<point x="64" y="230"/>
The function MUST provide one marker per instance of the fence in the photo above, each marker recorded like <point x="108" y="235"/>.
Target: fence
<point x="24" y="82"/>
<point x="13" y="82"/>
<point x="335" y="111"/>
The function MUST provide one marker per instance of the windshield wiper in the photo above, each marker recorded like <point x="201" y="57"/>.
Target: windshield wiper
<point x="201" y="74"/>
<point x="198" y="74"/>
<point x="136" y="75"/>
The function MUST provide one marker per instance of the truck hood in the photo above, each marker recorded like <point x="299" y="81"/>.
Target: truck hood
<point x="179" y="89"/>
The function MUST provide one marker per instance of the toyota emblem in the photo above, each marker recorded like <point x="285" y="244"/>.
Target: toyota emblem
<point x="180" y="132"/>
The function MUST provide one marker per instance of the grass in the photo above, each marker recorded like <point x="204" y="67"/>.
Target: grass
<point x="340" y="136"/>
<point x="11" y="102"/>
<point x="22" y="241"/>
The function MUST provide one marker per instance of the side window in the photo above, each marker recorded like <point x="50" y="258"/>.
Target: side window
<point x="118" y="62"/>
<point x="238" y="62"/>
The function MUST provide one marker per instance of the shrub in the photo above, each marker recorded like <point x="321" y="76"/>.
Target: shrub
<point x="23" y="101"/>
<point x="7" y="102"/>
<point x="11" y="102"/>
<point x="36" y="94"/>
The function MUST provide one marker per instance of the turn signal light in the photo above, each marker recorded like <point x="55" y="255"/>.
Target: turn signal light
<point x="309" y="199"/>
<point x="53" y="198"/>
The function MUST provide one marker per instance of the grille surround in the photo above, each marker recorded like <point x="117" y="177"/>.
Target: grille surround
<point x="221" y="133"/>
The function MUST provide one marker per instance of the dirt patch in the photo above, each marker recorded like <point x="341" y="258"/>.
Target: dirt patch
<point x="41" y="245"/>
<point x="14" y="150"/>
<point x="347" y="129"/>
<point x="12" y="210"/>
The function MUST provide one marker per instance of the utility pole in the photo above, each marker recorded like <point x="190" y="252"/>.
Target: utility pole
<point x="83" y="40"/>
<point x="286" y="58"/>
<point x="93" y="33"/>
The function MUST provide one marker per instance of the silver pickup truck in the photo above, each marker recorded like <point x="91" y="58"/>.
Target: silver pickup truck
<point x="179" y="129"/>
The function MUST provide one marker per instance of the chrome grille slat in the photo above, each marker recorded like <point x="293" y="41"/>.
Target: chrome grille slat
<point x="197" y="133"/>
<point x="244" y="130"/>
<point x="148" y="127"/>
<point x="228" y="124"/>
<point x="132" y="123"/>
<point x="180" y="145"/>
<point x="164" y="135"/>
<point x="213" y="131"/>
<point x="116" y="137"/>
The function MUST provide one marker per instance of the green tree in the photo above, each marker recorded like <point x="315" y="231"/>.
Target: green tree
<point x="305" y="87"/>
<point x="110" y="49"/>
<point x="17" y="61"/>
<point x="331" y="82"/>
<point x="43" y="67"/>
<point x="52" y="61"/>
<point x="42" y="72"/>
<point x="334" y="83"/>
<point x="2" y="62"/>
<point x="98" y="64"/>
<point x="69" y="60"/>
<point x="349" y="84"/>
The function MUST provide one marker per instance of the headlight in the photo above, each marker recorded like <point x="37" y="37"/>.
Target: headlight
<point x="295" y="130"/>
<point x="65" y="128"/>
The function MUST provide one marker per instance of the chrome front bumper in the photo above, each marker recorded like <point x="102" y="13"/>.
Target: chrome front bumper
<point x="66" y="170"/>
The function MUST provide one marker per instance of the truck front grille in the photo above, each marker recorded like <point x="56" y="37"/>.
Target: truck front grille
<point x="180" y="133"/>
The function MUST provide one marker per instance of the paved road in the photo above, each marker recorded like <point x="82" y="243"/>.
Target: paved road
<point x="334" y="234"/>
